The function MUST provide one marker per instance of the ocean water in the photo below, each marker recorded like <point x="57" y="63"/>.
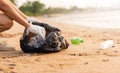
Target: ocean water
<point x="94" y="19"/>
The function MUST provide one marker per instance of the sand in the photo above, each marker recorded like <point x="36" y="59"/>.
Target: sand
<point x="84" y="58"/>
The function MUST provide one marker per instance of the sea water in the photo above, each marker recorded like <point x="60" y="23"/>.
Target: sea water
<point x="94" y="19"/>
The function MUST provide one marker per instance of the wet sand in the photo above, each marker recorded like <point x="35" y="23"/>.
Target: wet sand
<point x="84" y="58"/>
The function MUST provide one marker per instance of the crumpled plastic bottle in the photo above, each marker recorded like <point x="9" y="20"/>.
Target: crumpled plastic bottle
<point x="106" y="44"/>
<point x="76" y="40"/>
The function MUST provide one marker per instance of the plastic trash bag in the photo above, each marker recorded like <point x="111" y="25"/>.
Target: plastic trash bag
<point x="54" y="41"/>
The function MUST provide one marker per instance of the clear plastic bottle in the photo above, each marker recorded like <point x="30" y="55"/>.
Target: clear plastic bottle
<point x="106" y="44"/>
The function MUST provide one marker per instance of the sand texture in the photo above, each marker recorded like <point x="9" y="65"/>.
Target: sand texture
<point x="84" y="58"/>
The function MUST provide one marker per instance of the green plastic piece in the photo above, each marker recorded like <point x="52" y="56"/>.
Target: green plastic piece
<point x="76" y="41"/>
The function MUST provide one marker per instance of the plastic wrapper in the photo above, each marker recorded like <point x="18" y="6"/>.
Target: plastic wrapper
<point x="53" y="42"/>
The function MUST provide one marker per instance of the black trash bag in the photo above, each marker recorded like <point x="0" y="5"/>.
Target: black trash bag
<point x="54" y="41"/>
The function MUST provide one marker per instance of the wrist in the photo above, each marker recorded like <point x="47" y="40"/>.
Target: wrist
<point x="36" y="30"/>
<point x="27" y="26"/>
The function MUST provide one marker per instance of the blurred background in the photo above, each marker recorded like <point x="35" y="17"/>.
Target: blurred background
<point x="90" y="13"/>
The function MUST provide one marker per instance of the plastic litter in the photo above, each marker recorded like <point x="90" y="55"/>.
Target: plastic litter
<point x="76" y="40"/>
<point x="106" y="44"/>
<point x="35" y="43"/>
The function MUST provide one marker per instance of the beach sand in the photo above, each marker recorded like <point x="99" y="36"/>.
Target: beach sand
<point x="84" y="58"/>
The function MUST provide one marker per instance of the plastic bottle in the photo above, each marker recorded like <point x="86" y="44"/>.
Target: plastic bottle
<point x="106" y="44"/>
<point x="76" y="40"/>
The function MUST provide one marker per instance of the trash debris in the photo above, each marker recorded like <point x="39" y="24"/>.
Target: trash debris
<point x="54" y="41"/>
<point x="76" y="40"/>
<point x="106" y="44"/>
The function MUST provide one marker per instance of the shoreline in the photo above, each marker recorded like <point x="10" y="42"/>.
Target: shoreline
<point x="96" y="19"/>
<point x="84" y="58"/>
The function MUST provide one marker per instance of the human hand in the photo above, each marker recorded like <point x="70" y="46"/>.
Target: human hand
<point x="37" y="30"/>
<point x="35" y="35"/>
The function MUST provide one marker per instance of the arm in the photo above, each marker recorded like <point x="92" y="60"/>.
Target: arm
<point x="11" y="12"/>
<point x="22" y="14"/>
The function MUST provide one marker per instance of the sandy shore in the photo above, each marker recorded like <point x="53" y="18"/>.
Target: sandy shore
<point x="84" y="58"/>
